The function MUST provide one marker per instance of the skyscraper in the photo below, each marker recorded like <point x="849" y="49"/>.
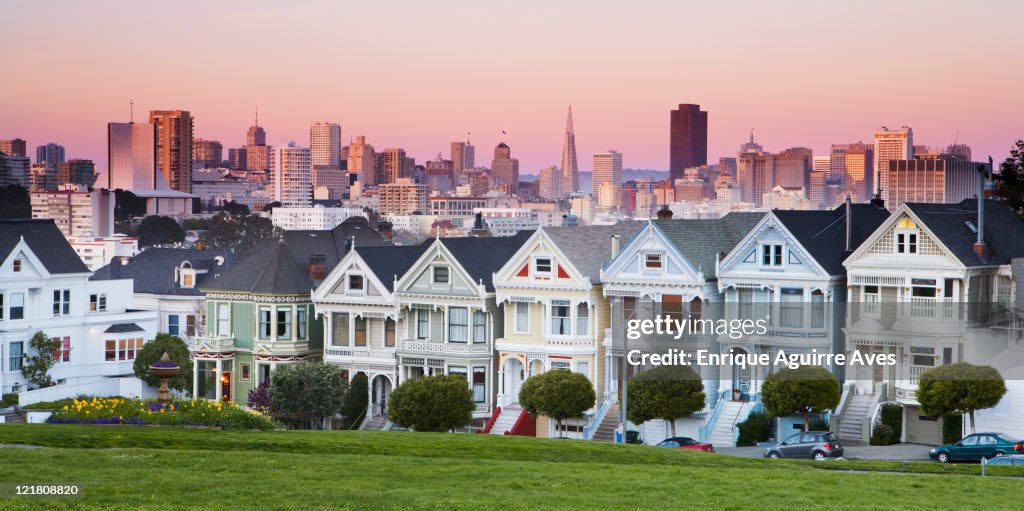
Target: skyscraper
<point x="608" y="170"/>
<point x="505" y="168"/>
<point x="570" y="169"/>
<point x="174" y="147"/>
<point x="131" y="160"/>
<point x="395" y="165"/>
<point x="207" y="152"/>
<point x="469" y="157"/>
<point x="860" y="175"/>
<point x="290" y="176"/>
<point x="257" y="155"/>
<point x="550" y="183"/>
<point x="237" y="158"/>
<point x="891" y="145"/>
<point x="14" y="147"/>
<point x="362" y="161"/>
<point x="688" y="139"/>
<point x="50" y="154"/>
<point x="325" y="144"/>
<point x="458" y="157"/>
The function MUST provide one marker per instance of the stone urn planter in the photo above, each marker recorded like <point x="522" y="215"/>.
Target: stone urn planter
<point x="164" y="370"/>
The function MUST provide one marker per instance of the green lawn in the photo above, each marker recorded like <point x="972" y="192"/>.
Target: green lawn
<point x="124" y="467"/>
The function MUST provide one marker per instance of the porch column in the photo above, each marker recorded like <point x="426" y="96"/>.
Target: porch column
<point x="195" y="377"/>
<point x="218" y="389"/>
<point x="369" y="396"/>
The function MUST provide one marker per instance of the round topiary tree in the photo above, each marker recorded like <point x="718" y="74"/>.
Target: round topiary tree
<point x="803" y="390"/>
<point x="959" y="388"/>
<point x="151" y="352"/>
<point x="666" y="392"/>
<point x="432" y="403"/>
<point x="303" y="393"/>
<point x="559" y="394"/>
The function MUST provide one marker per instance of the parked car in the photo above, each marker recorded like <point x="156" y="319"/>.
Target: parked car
<point x="685" y="442"/>
<point x="977" y="446"/>
<point x="1009" y="459"/>
<point x="816" y="445"/>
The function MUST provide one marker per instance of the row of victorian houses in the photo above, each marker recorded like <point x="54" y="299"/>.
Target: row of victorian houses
<point x="930" y="284"/>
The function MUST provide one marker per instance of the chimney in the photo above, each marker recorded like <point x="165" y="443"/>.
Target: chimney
<point x="849" y="223"/>
<point x="664" y="213"/>
<point x="980" y="246"/>
<point x="317" y="268"/>
<point x="350" y="243"/>
<point x="615" y="245"/>
<point x="386" y="229"/>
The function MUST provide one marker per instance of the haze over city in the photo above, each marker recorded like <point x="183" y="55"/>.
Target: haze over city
<point x="419" y="75"/>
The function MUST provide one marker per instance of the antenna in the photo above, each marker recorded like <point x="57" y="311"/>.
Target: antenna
<point x="131" y="111"/>
<point x="257" y="115"/>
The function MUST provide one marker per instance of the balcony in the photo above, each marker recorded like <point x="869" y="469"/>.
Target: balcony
<point x="215" y="342"/>
<point x="426" y="347"/>
<point x="931" y="308"/>
<point x="363" y="353"/>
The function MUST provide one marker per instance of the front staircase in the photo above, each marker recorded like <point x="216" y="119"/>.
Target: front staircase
<point x="724" y="432"/>
<point x="508" y="417"/>
<point x="14" y="417"/>
<point x="375" y="423"/>
<point x="605" y="431"/>
<point x="851" y="424"/>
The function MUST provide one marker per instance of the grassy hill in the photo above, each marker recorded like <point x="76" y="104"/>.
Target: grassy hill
<point x="171" y="468"/>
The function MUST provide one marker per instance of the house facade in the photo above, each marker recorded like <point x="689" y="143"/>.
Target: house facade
<point x="44" y="286"/>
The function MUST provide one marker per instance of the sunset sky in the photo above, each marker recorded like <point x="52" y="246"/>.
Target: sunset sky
<point x="419" y="75"/>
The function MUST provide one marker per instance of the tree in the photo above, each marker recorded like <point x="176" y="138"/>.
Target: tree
<point x="36" y="367"/>
<point x="128" y="205"/>
<point x="259" y="397"/>
<point x="356" y="402"/>
<point x="959" y="388"/>
<point x="432" y="403"/>
<point x="15" y="202"/>
<point x="803" y="390"/>
<point x="666" y="392"/>
<point x="159" y="230"/>
<point x="234" y="208"/>
<point x="303" y="393"/>
<point x="238" y="233"/>
<point x="1009" y="181"/>
<point x="559" y="394"/>
<point x="178" y="352"/>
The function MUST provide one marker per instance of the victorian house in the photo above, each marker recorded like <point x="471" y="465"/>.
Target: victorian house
<point x="555" y="317"/>
<point x="667" y="269"/>
<point x="788" y="270"/>
<point x="934" y="285"/>
<point x="45" y="287"/>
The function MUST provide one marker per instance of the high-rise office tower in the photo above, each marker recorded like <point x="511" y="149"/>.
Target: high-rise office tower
<point x="860" y="175"/>
<point x="962" y="151"/>
<point x="505" y="168"/>
<point x="207" y="152"/>
<point x="608" y="169"/>
<point x="290" y="177"/>
<point x="688" y="139"/>
<point x="891" y="145"/>
<point x="174" y="147"/>
<point x="325" y="144"/>
<point x="257" y="154"/>
<point x="362" y="161"/>
<point x="931" y="178"/>
<point x="131" y="161"/>
<point x="50" y="154"/>
<point x="469" y="157"/>
<point x="237" y="158"/>
<point x="458" y="156"/>
<point x="14" y="147"/>
<point x="79" y="172"/>
<point x="395" y="165"/>
<point x="570" y="169"/>
<point x="550" y="183"/>
<point x="793" y="168"/>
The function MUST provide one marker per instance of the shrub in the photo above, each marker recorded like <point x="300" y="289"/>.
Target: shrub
<point x="432" y="403"/>
<point x="354" y="410"/>
<point x="9" y="400"/>
<point x="884" y="435"/>
<point x="819" y="424"/>
<point x="36" y="366"/>
<point x="176" y="350"/>
<point x="952" y="428"/>
<point x="559" y="394"/>
<point x="259" y="397"/>
<point x="666" y="392"/>
<point x="303" y="393"/>
<point x="804" y="390"/>
<point x="892" y="416"/>
<point x="759" y="427"/>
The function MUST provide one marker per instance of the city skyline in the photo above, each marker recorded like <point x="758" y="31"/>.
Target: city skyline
<point x="506" y="85"/>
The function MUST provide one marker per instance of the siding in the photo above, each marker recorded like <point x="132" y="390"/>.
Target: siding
<point x="243" y="323"/>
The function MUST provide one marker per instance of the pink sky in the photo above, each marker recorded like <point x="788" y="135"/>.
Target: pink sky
<point x="421" y="74"/>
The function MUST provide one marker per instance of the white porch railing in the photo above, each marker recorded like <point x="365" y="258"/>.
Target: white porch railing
<point x="423" y="346"/>
<point x="217" y="342"/>
<point x="915" y="373"/>
<point x="345" y="351"/>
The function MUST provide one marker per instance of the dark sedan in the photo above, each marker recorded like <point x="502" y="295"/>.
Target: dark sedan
<point x="685" y="442"/>
<point x="977" y="446"/>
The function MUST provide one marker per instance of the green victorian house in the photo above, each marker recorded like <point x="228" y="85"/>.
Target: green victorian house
<point x="260" y="314"/>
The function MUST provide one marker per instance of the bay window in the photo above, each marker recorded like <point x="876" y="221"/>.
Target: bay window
<point x="560" y="319"/>
<point x="265" y="322"/>
<point x="284" y="323"/>
<point x="339" y="329"/>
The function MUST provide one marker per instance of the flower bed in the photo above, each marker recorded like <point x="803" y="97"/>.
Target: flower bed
<point x="195" y="412"/>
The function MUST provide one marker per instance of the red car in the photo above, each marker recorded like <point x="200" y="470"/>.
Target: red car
<point x="685" y="442"/>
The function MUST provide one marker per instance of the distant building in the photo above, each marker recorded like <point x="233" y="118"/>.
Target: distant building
<point x="942" y="179"/>
<point x="550" y="180"/>
<point x="42" y="176"/>
<point x="257" y="154"/>
<point x="290" y="175"/>
<point x="14" y="147"/>
<point x="207" y="153"/>
<point x="582" y="205"/>
<point x="325" y="145"/>
<point x="891" y="145"/>
<point x="312" y="218"/>
<point x="75" y="211"/>
<point x="403" y="197"/>
<point x="608" y="169"/>
<point x="237" y="158"/>
<point x="173" y="130"/>
<point x="688" y="139"/>
<point x="570" y="167"/>
<point x="214" y="187"/>
<point x="77" y="171"/>
<point x="361" y="162"/>
<point x="15" y="170"/>
<point x="759" y="172"/>
<point x="504" y="168"/>
<point x="463" y="157"/>
<point x="860" y="175"/>
<point x="333" y="179"/>
<point x="132" y="166"/>
<point x="50" y="153"/>
<point x="396" y="165"/>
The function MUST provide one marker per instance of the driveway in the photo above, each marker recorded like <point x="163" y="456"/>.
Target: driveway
<point x="898" y="452"/>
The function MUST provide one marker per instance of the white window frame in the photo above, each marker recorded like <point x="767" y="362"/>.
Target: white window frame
<point x="62" y="302"/>
<point x="21" y="299"/>
<point x="420" y="314"/>
<point x="516" y="315"/>
<point x="776" y="254"/>
<point x="582" y="320"/>
<point x="537" y="271"/>
<point x="434" y="274"/>
<point x="905" y="239"/>
<point x="362" y="282"/>
<point x="660" y="260"/>
<point x="174" y="324"/>
<point x="223" y="318"/>
<point x="97" y="302"/>
<point x="288" y="312"/>
<point x="462" y="335"/>
<point x="478" y="337"/>
<point x="567" y="319"/>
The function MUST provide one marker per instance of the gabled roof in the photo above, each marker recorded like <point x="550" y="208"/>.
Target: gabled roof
<point x="46" y="241"/>
<point x="823" y="233"/>
<point x="481" y="257"/>
<point x="390" y="262"/>
<point x="332" y="244"/>
<point x="701" y="241"/>
<point x="589" y="247"/>
<point x="1004" y="231"/>
<point x="153" y="270"/>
